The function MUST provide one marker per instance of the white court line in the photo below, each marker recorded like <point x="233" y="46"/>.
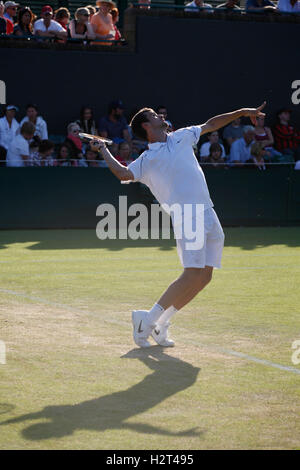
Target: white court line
<point x="109" y="320"/>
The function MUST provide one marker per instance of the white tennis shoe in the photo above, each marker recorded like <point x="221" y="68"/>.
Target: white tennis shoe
<point x="142" y="329"/>
<point x="160" y="335"/>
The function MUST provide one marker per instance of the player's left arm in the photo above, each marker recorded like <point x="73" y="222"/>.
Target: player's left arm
<point x="222" y="120"/>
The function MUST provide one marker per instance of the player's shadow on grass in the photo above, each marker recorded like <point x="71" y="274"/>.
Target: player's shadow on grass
<point x="170" y="375"/>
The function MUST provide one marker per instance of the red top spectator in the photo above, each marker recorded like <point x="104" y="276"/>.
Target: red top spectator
<point x="6" y="25"/>
<point x="285" y="136"/>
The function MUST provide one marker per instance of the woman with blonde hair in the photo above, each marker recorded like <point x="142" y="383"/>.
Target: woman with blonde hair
<point x="80" y="27"/>
<point x="102" y="22"/>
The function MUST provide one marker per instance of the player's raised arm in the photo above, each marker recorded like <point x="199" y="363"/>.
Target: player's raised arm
<point x="115" y="167"/>
<point x="222" y="120"/>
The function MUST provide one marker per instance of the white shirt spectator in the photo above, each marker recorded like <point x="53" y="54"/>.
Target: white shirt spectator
<point x="204" y="150"/>
<point x="286" y="7"/>
<point x="171" y="170"/>
<point x="40" y="127"/>
<point x="297" y="166"/>
<point x="18" y="147"/>
<point x="54" y="27"/>
<point x="240" y="151"/>
<point x="7" y="133"/>
<point x="192" y="6"/>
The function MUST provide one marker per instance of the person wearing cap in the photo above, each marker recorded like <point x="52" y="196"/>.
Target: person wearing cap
<point x="47" y="27"/>
<point x="9" y="127"/>
<point x="286" y="137"/>
<point x="18" y="153"/>
<point x="6" y="26"/>
<point x="11" y="9"/>
<point x="32" y="115"/>
<point x="102" y="22"/>
<point x="114" y="126"/>
<point x="80" y="27"/>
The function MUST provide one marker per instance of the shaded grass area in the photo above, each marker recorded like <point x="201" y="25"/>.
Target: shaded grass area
<point x="73" y="378"/>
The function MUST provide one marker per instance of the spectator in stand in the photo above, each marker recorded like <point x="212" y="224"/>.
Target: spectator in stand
<point x="289" y="6"/>
<point x="124" y="154"/>
<point x="115" y="17"/>
<point x="62" y="16"/>
<point x="215" y="156"/>
<point x="92" y="158"/>
<point x="74" y="142"/>
<point x="64" y="156"/>
<point x="162" y="111"/>
<point x="32" y="115"/>
<point x="199" y="5"/>
<point x="260" y="5"/>
<point x="146" y="6"/>
<point x="46" y="149"/>
<point x="6" y="26"/>
<point x="80" y="27"/>
<point x="114" y="125"/>
<point x="24" y="26"/>
<point x="11" y="10"/>
<point x="263" y="134"/>
<point x="233" y="132"/>
<point x="8" y="128"/>
<point x="102" y="22"/>
<point x="240" y="150"/>
<point x="286" y="137"/>
<point x="213" y="138"/>
<point x="18" y="151"/>
<point x="47" y="27"/>
<point x="257" y="160"/>
<point x="92" y="11"/>
<point x="230" y="5"/>
<point x="87" y="122"/>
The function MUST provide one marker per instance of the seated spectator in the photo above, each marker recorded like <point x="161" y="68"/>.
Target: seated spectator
<point x="87" y="122"/>
<point x="46" y="149"/>
<point x="199" y="5"/>
<point x="162" y="111"/>
<point x="144" y="4"/>
<point x="102" y="22"/>
<point x="63" y="157"/>
<point x="62" y="16"/>
<point x="257" y="160"/>
<point x="8" y="127"/>
<point x="80" y="27"/>
<point x="11" y="11"/>
<point x="286" y="137"/>
<point x="24" y="26"/>
<point x="233" y="132"/>
<point x="263" y="134"/>
<point x="32" y="115"/>
<point x="74" y="143"/>
<point x="6" y="25"/>
<point x="230" y="5"/>
<point x="114" y="126"/>
<point x="47" y="27"/>
<point x="124" y="154"/>
<point x="260" y="5"/>
<point x="213" y="138"/>
<point x="34" y="159"/>
<point x="289" y="6"/>
<point x="215" y="156"/>
<point x="115" y="18"/>
<point x="92" y="11"/>
<point x="18" y="151"/>
<point x="92" y="158"/>
<point x="240" y="150"/>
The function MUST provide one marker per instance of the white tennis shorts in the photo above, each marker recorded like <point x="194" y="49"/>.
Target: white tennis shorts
<point x="211" y="253"/>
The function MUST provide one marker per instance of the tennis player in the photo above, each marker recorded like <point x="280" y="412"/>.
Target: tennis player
<point x="171" y="171"/>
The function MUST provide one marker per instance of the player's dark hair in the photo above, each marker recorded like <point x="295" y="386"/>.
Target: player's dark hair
<point x="136" y="123"/>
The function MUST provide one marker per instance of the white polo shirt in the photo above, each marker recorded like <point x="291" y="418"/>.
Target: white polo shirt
<point x="54" y="26"/>
<point x="171" y="170"/>
<point x="18" y="147"/>
<point x="7" y="133"/>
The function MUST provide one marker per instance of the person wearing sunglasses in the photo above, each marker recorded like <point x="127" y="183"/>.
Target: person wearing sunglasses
<point x="11" y="10"/>
<point x="80" y="27"/>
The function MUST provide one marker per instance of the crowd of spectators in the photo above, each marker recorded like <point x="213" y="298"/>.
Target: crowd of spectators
<point x="91" y="24"/>
<point x="27" y="143"/>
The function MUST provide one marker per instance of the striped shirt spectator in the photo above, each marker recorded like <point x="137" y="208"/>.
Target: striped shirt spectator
<point x="286" y="137"/>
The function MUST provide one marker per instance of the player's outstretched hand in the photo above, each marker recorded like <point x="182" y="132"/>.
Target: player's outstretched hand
<point x="253" y="113"/>
<point x="97" y="145"/>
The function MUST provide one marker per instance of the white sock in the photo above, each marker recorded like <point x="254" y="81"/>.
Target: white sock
<point x="167" y="314"/>
<point x="154" y="314"/>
